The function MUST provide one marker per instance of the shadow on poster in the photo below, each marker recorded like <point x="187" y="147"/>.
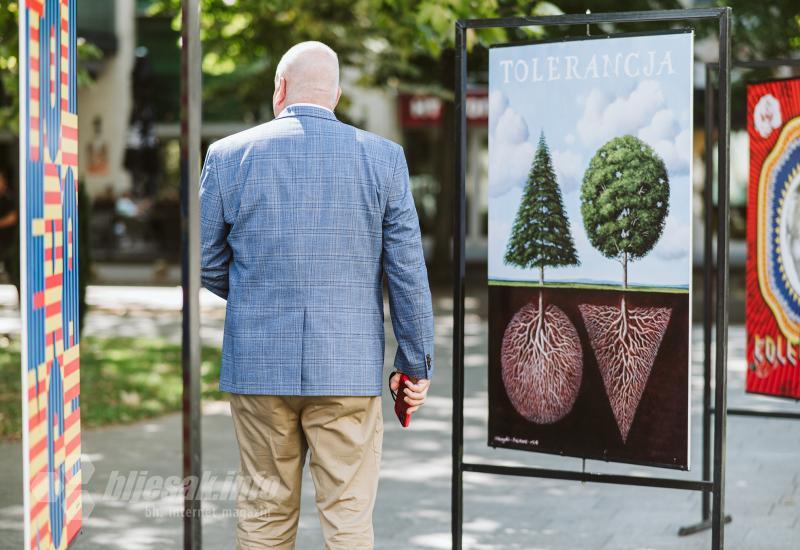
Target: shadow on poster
<point x="590" y="209"/>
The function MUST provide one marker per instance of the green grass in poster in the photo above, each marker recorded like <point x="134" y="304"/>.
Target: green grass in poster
<point x="592" y="286"/>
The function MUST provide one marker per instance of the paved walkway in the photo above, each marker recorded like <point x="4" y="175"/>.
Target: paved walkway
<point x="763" y="490"/>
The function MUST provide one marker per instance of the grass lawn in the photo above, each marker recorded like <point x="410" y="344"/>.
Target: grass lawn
<point x="593" y="286"/>
<point x="122" y="380"/>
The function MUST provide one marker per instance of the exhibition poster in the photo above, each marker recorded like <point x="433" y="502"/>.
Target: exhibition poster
<point x="589" y="253"/>
<point x="51" y="419"/>
<point x="773" y="237"/>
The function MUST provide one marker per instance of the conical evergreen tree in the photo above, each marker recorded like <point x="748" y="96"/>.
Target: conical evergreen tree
<point x="541" y="234"/>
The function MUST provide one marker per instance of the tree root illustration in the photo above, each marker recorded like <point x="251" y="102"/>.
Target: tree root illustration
<point x="625" y="341"/>
<point x="542" y="363"/>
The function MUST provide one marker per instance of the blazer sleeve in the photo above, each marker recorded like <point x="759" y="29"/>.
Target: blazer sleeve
<point x="215" y="253"/>
<point x="407" y="277"/>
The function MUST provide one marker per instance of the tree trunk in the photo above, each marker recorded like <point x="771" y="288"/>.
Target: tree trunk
<point x="624" y="270"/>
<point x="624" y="286"/>
<point x="541" y="292"/>
<point x="441" y="261"/>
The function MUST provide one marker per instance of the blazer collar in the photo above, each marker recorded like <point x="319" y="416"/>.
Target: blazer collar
<point x="307" y="110"/>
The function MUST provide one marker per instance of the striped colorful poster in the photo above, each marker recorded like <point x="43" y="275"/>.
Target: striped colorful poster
<point x="773" y="237"/>
<point x="49" y="278"/>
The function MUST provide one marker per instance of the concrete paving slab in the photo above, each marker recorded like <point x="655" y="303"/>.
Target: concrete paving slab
<point x="413" y="508"/>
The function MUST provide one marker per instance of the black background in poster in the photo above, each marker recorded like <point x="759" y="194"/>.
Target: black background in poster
<point x="659" y="433"/>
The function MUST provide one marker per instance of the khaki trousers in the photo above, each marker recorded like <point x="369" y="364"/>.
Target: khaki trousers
<point x="344" y="435"/>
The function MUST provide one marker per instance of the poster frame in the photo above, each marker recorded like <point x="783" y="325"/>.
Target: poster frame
<point x="709" y="211"/>
<point x="715" y="485"/>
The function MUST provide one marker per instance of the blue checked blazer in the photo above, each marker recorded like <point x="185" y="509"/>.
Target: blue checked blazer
<point x="301" y="217"/>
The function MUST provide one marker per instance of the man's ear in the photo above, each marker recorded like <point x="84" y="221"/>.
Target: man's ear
<point x="338" y="97"/>
<point x="282" y="89"/>
<point x="279" y="96"/>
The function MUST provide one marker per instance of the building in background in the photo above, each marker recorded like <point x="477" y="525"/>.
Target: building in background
<point x="130" y="151"/>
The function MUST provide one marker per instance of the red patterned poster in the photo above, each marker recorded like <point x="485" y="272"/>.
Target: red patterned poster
<point x="773" y="237"/>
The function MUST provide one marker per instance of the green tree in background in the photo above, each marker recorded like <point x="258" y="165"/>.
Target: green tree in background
<point x="9" y="122"/>
<point x="764" y="30"/>
<point x="541" y="234"/>
<point x="396" y="45"/>
<point x="9" y="65"/>
<point x="625" y="200"/>
<point x="405" y="45"/>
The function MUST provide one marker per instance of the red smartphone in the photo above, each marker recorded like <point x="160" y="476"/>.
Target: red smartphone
<point x="400" y="405"/>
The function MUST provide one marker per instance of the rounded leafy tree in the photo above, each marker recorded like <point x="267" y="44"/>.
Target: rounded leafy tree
<point x="625" y="200"/>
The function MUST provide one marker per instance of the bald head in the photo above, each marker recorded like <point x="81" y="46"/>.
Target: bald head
<point x="307" y="73"/>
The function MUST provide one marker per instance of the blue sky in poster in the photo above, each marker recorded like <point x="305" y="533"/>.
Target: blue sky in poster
<point x="638" y="85"/>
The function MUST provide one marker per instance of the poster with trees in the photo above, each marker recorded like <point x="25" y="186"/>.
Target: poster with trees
<point x="589" y="256"/>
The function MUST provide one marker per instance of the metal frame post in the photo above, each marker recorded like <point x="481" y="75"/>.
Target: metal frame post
<point x="708" y="309"/>
<point x="458" y="286"/>
<point x="708" y="286"/>
<point x="706" y="485"/>
<point x="191" y="83"/>
<point x="723" y="221"/>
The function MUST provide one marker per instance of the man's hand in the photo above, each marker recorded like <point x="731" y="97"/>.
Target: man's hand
<point x="415" y="394"/>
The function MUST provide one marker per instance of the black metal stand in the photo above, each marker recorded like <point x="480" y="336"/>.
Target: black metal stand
<point x="191" y="84"/>
<point x="708" y="282"/>
<point x="713" y="482"/>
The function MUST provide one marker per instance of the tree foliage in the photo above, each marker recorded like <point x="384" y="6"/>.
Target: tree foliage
<point x="9" y="68"/>
<point x="625" y="198"/>
<point x="541" y="234"/>
<point x="391" y="42"/>
<point x="764" y="30"/>
<point x="9" y="65"/>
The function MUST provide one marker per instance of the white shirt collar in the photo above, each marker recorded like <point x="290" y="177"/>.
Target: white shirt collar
<point x="303" y="105"/>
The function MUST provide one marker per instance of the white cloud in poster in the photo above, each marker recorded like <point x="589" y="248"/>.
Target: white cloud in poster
<point x="641" y="113"/>
<point x="511" y="152"/>
<point x="664" y="134"/>
<point x="605" y="117"/>
<point x="569" y="169"/>
<point x="674" y="243"/>
<point x="498" y="102"/>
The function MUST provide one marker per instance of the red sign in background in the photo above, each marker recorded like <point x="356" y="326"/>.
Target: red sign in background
<point x="421" y="111"/>
<point x="773" y="237"/>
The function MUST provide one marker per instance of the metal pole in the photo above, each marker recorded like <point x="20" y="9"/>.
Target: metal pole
<point x="721" y="381"/>
<point x="191" y="83"/>
<point x="457" y="504"/>
<point x="708" y="284"/>
<point x="590" y="477"/>
<point x="595" y="18"/>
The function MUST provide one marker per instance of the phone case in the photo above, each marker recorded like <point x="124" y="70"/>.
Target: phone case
<point x="400" y="405"/>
